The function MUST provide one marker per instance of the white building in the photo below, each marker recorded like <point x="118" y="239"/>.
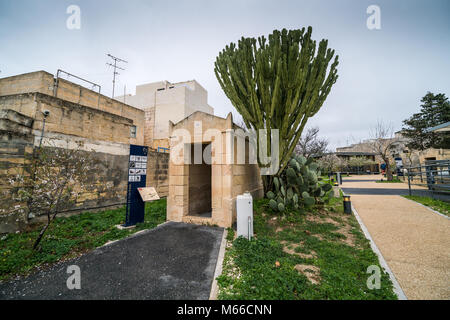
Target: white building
<point x="163" y="101"/>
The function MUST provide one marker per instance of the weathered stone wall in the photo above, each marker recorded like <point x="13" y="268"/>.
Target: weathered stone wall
<point x="157" y="172"/>
<point x="149" y="126"/>
<point x="16" y="140"/>
<point x="45" y="83"/>
<point x="107" y="184"/>
<point x="39" y="81"/>
<point x="69" y="118"/>
<point x="76" y="118"/>
<point x="416" y="158"/>
<point x="104" y="130"/>
<point x="107" y="180"/>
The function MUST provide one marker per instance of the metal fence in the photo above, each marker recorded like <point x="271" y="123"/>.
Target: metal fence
<point x="434" y="175"/>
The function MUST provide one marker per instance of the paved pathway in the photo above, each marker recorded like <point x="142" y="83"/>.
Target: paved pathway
<point x="414" y="241"/>
<point x="172" y="261"/>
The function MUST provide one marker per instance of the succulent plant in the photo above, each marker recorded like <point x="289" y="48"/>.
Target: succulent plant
<point x="270" y="195"/>
<point x="273" y="204"/>
<point x="276" y="183"/>
<point x="298" y="185"/>
<point x="309" y="201"/>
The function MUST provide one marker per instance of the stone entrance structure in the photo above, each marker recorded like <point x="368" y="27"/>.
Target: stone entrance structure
<point x="206" y="174"/>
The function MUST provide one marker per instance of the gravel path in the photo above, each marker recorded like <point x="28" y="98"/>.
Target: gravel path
<point x="414" y="240"/>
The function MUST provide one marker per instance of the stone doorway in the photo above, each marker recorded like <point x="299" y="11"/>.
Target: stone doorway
<point x="210" y="198"/>
<point x="200" y="175"/>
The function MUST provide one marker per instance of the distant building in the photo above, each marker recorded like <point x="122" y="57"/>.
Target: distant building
<point x="362" y="149"/>
<point x="399" y="151"/>
<point x="164" y="101"/>
<point x="417" y="157"/>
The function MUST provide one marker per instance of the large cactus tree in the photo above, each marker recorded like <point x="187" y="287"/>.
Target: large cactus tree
<point x="277" y="83"/>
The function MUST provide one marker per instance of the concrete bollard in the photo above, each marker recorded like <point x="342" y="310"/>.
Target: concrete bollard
<point x="347" y="205"/>
<point x="336" y="191"/>
<point x="339" y="178"/>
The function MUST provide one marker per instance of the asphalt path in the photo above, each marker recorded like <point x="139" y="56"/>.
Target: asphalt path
<point x="171" y="261"/>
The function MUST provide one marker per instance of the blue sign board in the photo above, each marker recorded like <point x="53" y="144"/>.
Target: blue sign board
<point x="137" y="176"/>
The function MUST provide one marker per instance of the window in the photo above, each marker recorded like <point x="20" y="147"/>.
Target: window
<point x="133" y="131"/>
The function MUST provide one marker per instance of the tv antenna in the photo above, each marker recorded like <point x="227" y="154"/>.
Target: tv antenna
<point x="115" y="66"/>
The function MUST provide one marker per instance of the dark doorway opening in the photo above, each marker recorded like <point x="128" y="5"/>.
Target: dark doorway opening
<point x="200" y="174"/>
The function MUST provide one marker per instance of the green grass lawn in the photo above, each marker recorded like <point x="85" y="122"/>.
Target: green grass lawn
<point x="437" y="205"/>
<point x="319" y="254"/>
<point x="70" y="237"/>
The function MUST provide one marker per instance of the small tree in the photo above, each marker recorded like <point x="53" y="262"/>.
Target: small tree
<point x="359" y="161"/>
<point x="311" y="145"/>
<point x="52" y="181"/>
<point x="331" y="163"/>
<point x="342" y="164"/>
<point x="435" y="110"/>
<point x="382" y="143"/>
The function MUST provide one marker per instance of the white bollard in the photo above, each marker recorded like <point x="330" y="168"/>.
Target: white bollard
<point x="244" y="208"/>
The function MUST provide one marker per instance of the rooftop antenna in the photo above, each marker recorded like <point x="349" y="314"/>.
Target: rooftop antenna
<point x="115" y="66"/>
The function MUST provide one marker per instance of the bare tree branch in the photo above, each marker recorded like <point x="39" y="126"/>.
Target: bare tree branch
<point x="311" y="145"/>
<point x="382" y="143"/>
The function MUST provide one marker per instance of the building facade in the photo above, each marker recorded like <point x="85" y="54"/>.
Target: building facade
<point x="163" y="102"/>
<point x="75" y="115"/>
<point x="399" y="152"/>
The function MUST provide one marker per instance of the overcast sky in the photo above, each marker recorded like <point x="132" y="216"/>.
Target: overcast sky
<point x="382" y="73"/>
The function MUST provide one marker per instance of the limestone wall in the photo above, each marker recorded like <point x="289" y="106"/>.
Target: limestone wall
<point x="227" y="179"/>
<point x="39" y="81"/>
<point x="416" y="158"/>
<point x="16" y="140"/>
<point x="149" y="126"/>
<point x="108" y="179"/>
<point x="157" y="172"/>
<point x="45" y="83"/>
<point x="71" y="92"/>
<point x="106" y="136"/>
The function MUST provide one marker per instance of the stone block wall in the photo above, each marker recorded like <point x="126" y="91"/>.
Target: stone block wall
<point x="157" y="172"/>
<point x="45" y="83"/>
<point x="103" y="130"/>
<point x="16" y="140"/>
<point x="39" y="81"/>
<point x="108" y="179"/>
<point x="69" y="91"/>
<point x="149" y="126"/>
<point x="77" y="116"/>
<point x="227" y="179"/>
